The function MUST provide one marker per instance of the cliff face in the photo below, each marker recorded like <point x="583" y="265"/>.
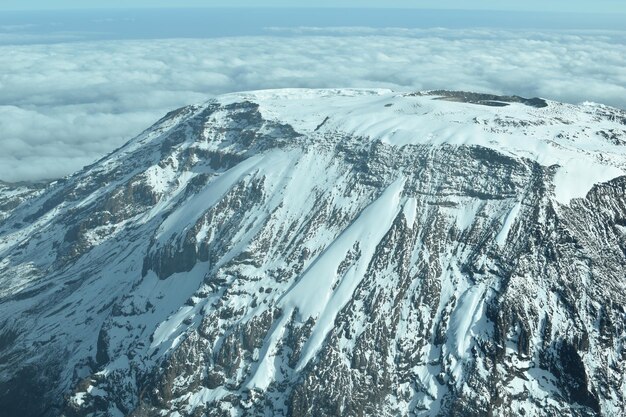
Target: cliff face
<point x="328" y="252"/>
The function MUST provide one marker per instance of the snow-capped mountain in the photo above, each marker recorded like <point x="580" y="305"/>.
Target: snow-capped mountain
<point x="327" y="252"/>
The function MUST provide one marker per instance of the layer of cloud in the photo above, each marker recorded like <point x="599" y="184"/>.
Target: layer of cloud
<point x="63" y="106"/>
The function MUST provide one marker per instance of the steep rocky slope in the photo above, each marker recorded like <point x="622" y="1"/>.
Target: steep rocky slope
<point x="328" y="252"/>
<point x="12" y="195"/>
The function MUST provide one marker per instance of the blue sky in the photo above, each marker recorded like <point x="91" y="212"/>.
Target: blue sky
<point x="582" y="6"/>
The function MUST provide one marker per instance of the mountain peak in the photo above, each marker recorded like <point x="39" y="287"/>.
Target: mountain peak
<point x="323" y="252"/>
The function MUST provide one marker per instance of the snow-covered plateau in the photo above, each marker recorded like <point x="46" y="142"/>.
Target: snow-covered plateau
<point x="326" y="252"/>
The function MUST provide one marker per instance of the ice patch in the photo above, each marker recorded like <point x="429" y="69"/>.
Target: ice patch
<point x="410" y="211"/>
<point x="577" y="176"/>
<point x="464" y="316"/>
<point x="508" y="223"/>
<point x="467" y="214"/>
<point x="79" y="398"/>
<point x="205" y="396"/>
<point x="266" y="370"/>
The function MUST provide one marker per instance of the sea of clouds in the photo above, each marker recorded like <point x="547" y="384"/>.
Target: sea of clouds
<point x="64" y="105"/>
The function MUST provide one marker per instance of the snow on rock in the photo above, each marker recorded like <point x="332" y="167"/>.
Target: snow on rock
<point x="464" y="316"/>
<point x="313" y="294"/>
<point x="576" y="176"/>
<point x="511" y="217"/>
<point x="410" y="211"/>
<point x="321" y="252"/>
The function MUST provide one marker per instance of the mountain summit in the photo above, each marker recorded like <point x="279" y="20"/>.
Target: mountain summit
<point x="327" y="252"/>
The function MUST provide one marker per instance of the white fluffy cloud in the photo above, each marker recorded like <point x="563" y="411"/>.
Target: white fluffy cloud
<point x="65" y="105"/>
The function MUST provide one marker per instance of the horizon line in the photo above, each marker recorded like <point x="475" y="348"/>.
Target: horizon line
<point x="296" y="7"/>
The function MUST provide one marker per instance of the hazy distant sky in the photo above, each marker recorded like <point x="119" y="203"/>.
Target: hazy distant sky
<point x="585" y="6"/>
